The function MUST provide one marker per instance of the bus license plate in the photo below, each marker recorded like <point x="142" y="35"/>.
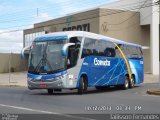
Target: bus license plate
<point x="43" y="85"/>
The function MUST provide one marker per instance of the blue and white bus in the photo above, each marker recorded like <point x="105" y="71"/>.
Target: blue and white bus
<point x="78" y="60"/>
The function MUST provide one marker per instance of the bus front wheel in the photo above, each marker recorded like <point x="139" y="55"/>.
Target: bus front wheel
<point x="82" y="85"/>
<point x="50" y="91"/>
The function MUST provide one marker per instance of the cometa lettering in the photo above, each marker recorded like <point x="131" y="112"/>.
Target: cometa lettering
<point x="101" y="62"/>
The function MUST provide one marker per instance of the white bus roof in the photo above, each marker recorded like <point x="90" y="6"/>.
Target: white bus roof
<point x="85" y="34"/>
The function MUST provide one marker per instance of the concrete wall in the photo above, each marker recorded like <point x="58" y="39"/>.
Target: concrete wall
<point x="16" y="64"/>
<point x="148" y="16"/>
<point x="75" y="19"/>
<point x="112" y="25"/>
<point x="134" y="5"/>
<point x="146" y="52"/>
<point x="90" y="17"/>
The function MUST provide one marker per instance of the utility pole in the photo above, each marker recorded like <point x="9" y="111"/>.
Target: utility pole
<point x="37" y="12"/>
<point x="9" y="67"/>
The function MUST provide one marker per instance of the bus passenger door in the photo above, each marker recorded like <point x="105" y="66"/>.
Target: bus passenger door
<point x="73" y="62"/>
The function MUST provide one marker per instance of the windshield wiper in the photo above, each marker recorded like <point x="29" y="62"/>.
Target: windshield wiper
<point x="43" y="62"/>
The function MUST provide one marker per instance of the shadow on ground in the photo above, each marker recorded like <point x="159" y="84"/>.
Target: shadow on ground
<point x="74" y="92"/>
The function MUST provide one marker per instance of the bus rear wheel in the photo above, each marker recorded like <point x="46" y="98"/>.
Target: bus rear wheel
<point x="126" y="83"/>
<point x="132" y="82"/>
<point x="82" y="86"/>
<point x="50" y="91"/>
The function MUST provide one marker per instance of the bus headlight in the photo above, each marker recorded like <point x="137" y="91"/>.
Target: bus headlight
<point x="59" y="84"/>
<point x="29" y="79"/>
<point x="59" y="78"/>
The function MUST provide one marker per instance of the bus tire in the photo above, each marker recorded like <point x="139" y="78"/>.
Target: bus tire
<point x="50" y="91"/>
<point x="126" y="83"/>
<point x="132" y="82"/>
<point x="82" y="85"/>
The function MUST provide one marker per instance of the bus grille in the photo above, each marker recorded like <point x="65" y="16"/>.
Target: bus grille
<point x="43" y="80"/>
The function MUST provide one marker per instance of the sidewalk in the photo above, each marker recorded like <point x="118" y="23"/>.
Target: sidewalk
<point x="13" y="79"/>
<point x="149" y="78"/>
<point x="20" y="79"/>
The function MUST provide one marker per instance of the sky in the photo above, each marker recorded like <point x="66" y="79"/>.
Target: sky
<point x="16" y="15"/>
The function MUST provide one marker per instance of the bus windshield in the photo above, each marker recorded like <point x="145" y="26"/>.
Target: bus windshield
<point x="46" y="57"/>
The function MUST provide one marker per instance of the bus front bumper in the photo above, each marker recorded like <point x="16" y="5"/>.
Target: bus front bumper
<point x="59" y="83"/>
<point x="45" y="85"/>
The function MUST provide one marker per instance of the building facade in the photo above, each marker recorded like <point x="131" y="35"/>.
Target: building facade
<point x="121" y="24"/>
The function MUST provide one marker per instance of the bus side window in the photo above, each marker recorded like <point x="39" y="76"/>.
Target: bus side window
<point x="132" y="52"/>
<point x="72" y="56"/>
<point x="110" y="52"/>
<point x="73" y="51"/>
<point x="88" y="47"/>
<point x="118" y="54"/>
<point x="105" y="48"/>
<point x="140" y="52"/>
<point x="95" y="52"/>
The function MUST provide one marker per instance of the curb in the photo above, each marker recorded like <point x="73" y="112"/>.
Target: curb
<point x="153" y="92"/>
<point x="13" y="85"/>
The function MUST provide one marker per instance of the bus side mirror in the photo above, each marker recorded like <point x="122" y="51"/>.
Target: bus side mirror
<point x="65" y="48"/>
<point x="22" y="55"/>
<point x="22" y="52"/>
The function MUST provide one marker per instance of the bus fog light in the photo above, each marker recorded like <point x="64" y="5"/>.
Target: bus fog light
<point x="59" y="84"/>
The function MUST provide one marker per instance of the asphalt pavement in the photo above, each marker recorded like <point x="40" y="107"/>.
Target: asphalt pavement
<point x="15" y="98"/>
<point x="20" y="100"/>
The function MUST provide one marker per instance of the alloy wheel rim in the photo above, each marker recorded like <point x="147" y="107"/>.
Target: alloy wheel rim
<point x="126" y="83"/>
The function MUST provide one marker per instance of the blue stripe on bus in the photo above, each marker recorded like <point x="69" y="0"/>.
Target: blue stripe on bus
<point x="48" y="76"/>
<point x="112" y="74"/>
<point x="137" y="69"/>
<point x="103" y="75"/>
<point x="50" y="38"/>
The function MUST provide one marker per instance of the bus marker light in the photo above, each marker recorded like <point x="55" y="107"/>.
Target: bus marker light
<point x="59" y="84"/>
